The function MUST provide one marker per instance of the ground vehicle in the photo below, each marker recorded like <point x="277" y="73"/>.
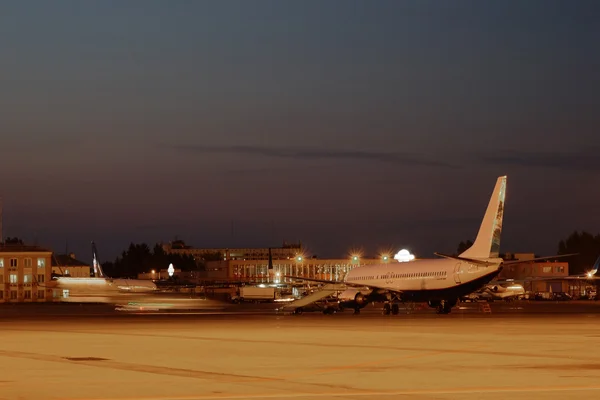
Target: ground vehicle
<point x="254" y="293"/>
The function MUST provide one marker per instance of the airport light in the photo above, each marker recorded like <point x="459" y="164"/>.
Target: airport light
<point x="299" y="258"/>
<point x="171" y="270"/>
<point x="404" y="256"/>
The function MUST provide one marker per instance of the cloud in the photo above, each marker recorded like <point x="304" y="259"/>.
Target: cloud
<point x="300" y="153"/>
<point x="580" y="160"/>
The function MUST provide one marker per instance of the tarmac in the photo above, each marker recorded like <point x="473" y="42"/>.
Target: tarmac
<point x="72" y="353"/>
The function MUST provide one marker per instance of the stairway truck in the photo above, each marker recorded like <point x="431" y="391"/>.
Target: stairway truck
<point x="255" y="294"/>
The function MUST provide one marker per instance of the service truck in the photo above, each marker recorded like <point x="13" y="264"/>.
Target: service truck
<point x="254" y="294"/>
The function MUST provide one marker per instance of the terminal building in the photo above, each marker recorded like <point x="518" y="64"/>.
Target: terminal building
<point x="545" y="269"/>
<point x="286" y="251"/>
<point x="24" y="270"/>
<point x="259" y="271"/>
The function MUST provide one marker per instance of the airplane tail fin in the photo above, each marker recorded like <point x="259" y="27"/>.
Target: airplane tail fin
<point x="487" y="243"/>
<point x="595" y="267"/>
<point x="97" y="267"/>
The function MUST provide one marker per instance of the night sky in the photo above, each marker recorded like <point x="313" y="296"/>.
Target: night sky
<point x="344" y="124"/>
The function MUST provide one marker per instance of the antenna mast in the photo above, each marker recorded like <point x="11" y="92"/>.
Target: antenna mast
<point x="1" y="227"/>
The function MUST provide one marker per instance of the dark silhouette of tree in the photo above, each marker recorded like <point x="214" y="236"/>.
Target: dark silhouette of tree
<point x="13" y="240"/>
<point x="138" y="258"/>
<point x="586" y="245"/>
<point x="463" y="246"/>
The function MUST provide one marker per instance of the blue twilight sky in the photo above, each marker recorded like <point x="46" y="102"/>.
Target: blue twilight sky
<point x="343" y="124"/>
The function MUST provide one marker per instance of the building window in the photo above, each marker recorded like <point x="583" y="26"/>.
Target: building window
<point x="560" y="269"/>
<point x="40" y="278"/>
<point x="13" y="294"/>
<point x="13" y="278"/>
<point x="1" y="279"/>
<point x="1" y="262"/>
<point x="28" y="294"/>
<point x="41" y="263"/>
<point x="547" y="269"/>
<point x="40" y="294"/>
<point x="27" y="262"/>
<point x="1" y="295"/>
<point x="14" y="262"/>
<point x="27" y="278"/>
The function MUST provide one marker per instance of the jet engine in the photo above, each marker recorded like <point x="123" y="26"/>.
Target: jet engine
<point x="352" y="298"/>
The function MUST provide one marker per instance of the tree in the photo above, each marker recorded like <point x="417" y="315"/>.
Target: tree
<point x="463" y="246"/>
<point x="13" y="240"/>
<point x="586" y="245"/>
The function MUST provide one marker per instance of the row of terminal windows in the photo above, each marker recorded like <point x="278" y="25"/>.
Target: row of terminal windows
<point x="26" y="294"/>
<point x="13" y="278"/>
<point x="405" y="276"/>
<point x="27" y="262"/>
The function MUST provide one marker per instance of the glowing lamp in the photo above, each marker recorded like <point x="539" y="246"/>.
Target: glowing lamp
<point x="404" y="256"/>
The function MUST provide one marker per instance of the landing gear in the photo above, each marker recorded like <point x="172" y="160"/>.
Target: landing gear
<point x="444" y="307"/>
<point x="356" y="310"/>
<point x="388" y="308"/>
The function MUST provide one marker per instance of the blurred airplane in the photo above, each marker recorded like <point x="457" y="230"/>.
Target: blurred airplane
<point x="99" y="285"/>
<point x="498" y="292"/>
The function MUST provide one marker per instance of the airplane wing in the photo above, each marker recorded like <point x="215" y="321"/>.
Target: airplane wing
<point x="589" y="276"/>
<point x="301" y="278"/>
<point x="514" y="262"/>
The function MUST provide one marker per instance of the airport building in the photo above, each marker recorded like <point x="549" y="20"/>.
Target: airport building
<point x="545" y="269"/>
<point x="68" y="265"/>
<point x="286" y="251"/>
<point x="258" y="270"/>
<point x="24" y="270"/>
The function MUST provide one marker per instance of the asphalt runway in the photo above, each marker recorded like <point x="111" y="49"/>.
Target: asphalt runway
<point x="310" y="356"/>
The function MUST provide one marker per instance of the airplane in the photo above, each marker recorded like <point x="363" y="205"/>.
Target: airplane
<point x="498" y="292"/>
<point x="100" y="284"/>
<point x="439" y="282"/>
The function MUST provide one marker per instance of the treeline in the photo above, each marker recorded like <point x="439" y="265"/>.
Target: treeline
<point x="584" y="244"/>
<point x="139" y="258"/>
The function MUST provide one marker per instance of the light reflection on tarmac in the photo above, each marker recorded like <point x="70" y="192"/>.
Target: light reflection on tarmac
<point x="235" y="355"/>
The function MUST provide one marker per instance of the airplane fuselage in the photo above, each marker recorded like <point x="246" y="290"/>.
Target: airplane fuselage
<point x="105" y="285"/>
<point x="424" y="280"/>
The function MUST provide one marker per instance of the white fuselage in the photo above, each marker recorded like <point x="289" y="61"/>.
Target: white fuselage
<point x="104" y="285"/>
<point x="422" y="275"/>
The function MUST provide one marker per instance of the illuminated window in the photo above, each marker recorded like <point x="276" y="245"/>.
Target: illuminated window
<point x="27" y="262"/>
<point x="41" y="263"/>
<point x="13" y="278"/>
<point x="547" y="269"/>
<point x="27" y="278"/>
<point x="560" y="269"/>
<point x="14" y="262"/>
<point x="1" y="262"/>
